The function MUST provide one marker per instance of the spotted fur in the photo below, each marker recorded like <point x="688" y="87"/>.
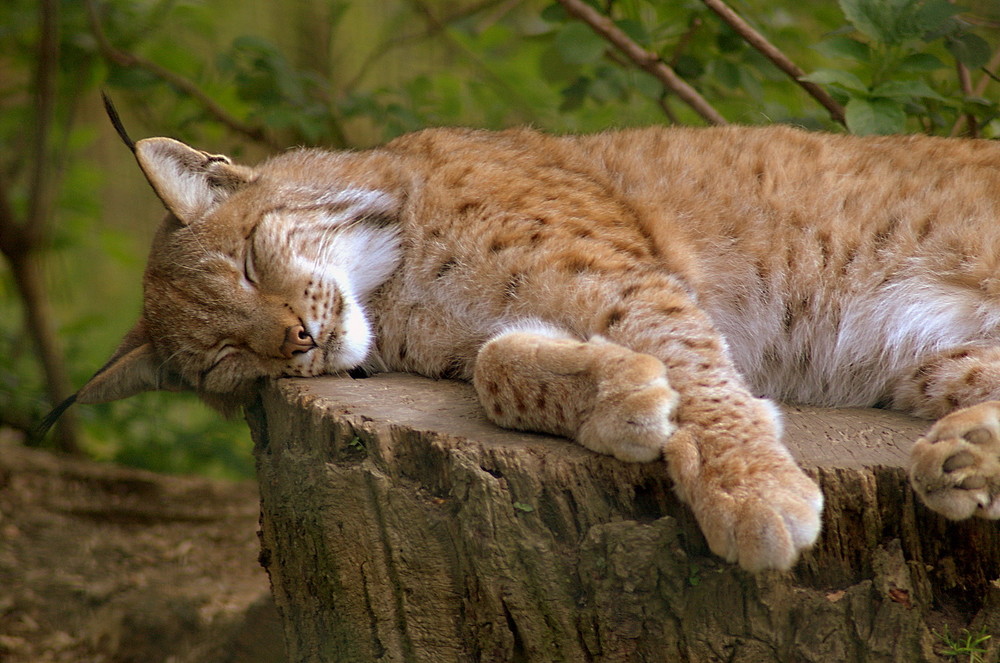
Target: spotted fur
<point x="641" y="291"/>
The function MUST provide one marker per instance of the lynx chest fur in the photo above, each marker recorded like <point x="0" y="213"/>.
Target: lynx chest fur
<point x="643" y="292"/>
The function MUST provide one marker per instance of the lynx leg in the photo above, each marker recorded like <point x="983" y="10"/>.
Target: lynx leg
<point x="608" y="398"/>
<point x="949" y="380"/>
<point x="754" y="504"/>
<point x="955" y="467"/>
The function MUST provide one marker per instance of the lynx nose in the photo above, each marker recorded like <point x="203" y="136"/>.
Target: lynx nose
<point x="297" y="341"/>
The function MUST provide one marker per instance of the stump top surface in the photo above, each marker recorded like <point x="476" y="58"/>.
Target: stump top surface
<point x="817" y="437"/>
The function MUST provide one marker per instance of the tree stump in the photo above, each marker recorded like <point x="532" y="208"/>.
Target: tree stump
<point x="398" y="524"/>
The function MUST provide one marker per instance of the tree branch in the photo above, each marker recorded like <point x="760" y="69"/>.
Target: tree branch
<point x="36" y="224"/>
<point x="175" y="80"/>
<point x="649" y="62"/>
<point x="780" y="60"/>
<point x="966" y="123"/>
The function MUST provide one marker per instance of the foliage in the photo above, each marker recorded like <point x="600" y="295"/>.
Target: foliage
<point x="349" y="74"/>
<point x="970" y="645"/>
<point x="892" y="74"/>
<point x="887" y="64"/>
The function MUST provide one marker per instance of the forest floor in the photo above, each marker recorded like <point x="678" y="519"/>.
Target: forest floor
<point x="108" y="564"/>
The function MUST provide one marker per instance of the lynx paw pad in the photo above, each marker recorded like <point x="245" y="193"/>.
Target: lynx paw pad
<point x="955" y="468"/>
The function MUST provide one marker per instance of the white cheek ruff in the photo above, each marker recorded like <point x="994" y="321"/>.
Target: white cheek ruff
<point x="355" y="340"/>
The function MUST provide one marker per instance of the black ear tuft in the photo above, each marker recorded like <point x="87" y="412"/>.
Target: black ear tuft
<point x="116" y="121"/>
<point x="42" y="429"/>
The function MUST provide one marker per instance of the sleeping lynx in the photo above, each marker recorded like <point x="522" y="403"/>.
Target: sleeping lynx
<point x="640" y="291"/>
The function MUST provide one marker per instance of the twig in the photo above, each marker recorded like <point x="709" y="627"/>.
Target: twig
<point x="178" y="82"/>
<point x="685" y="39"/>
<point x="966" y="122"/>
<point x="649" y="62"/>
<point x="780" y="60"/>
<point x="664" y="103"/>
<point x="988" y="74"/>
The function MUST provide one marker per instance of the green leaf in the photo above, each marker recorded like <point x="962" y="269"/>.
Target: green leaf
<point x="726" y="73"/>
<point x="844" y="79"/>
<point x="876" y="115"/>
<point x="577" y="44"/>
<point x="554" y="69"/>
<point x="921" y="62"/>
<point x="872" y="18"/>
<point x="555" y="13"/>
<point x="689" y="67"/>
<point x="846" y="48"/>
<point x="521" y="506"/>
<point x="575" y="94"/>
<point x="893" y="22"/>
<point x="635" y="30"/>
<point x="730" y="42"/>
<point x="971" y="50"/>
<point x="934" y="15"/>
<point x="905" y="90"/>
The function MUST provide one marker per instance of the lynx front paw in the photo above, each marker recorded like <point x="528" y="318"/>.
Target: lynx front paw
<point x="955" y="468"/>
<point x="760" y="511"/>
<point x="767" y="525"/>
<point x="633" y="412"/>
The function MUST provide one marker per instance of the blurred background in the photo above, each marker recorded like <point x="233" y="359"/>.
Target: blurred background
<point x="249" y="78"/>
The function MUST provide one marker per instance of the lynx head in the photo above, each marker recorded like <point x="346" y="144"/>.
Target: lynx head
<point x="254" y="273"/>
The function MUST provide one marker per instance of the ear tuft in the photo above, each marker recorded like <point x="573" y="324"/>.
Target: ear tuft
<point x="188" y="181"/>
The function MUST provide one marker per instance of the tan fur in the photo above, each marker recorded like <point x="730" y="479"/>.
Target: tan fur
<point x="640" y="291"/>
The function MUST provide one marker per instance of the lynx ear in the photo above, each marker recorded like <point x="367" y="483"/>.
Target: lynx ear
<point x="188" y="181"/>
<point x="134" y="368"/>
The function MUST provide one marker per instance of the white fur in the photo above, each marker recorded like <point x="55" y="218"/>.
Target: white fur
<point x="853" y="358"/>
<point x="186" y="192"/>
<point x="533" y="326"/>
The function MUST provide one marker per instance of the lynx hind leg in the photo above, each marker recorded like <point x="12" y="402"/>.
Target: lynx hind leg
<point x="608" y="398"/>
<point x="955" y="467"/>
<point x="945" y="381"/>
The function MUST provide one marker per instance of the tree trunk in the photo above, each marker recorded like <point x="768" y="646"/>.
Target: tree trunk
<point x="399" y="525"/>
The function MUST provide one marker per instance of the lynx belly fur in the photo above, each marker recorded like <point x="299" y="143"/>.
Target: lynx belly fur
<point x="643" y="292"/>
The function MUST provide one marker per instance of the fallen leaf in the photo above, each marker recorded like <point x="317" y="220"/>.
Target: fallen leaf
<point x="900" y="596"/>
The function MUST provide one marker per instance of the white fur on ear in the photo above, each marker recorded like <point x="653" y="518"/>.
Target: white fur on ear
<point x="188" y="181"/>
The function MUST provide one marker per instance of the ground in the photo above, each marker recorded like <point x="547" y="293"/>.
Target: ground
<point x="102" y="563"/>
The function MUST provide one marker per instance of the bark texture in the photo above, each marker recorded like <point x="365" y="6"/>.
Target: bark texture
<point x="399" y="525"/>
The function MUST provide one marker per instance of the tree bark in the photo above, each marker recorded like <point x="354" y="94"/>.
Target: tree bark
<point x="399" y="525"/>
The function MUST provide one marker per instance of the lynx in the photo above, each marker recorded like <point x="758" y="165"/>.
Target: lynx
<point x="644" y="292"/>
